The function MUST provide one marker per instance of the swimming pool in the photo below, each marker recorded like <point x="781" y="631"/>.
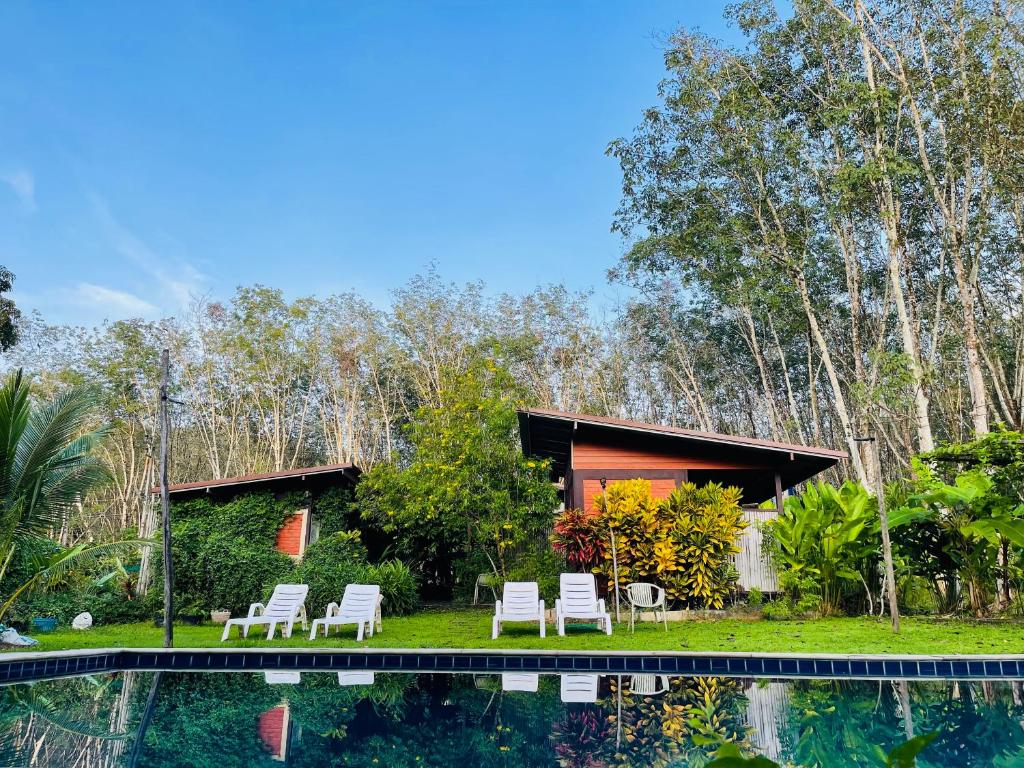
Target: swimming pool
<point x="298" y="714"/>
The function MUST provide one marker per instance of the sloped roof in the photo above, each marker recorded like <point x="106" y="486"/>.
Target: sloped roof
<point x="349" y="473"/>
<point x="550" y="434"/>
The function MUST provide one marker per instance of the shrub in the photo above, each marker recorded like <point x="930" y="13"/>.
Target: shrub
<point x="576" y="538"/>
<point x="755" y="597"/>
<point x="328" y="566"/>
<point x="824" y="543"/>
<point x="683" y="542"/>
<point x="544" y="567"/>
<point x="777" y="610"/>
<point x="397" y="586"/>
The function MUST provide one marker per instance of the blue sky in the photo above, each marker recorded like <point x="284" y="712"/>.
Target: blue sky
<point x="149" y="154"/>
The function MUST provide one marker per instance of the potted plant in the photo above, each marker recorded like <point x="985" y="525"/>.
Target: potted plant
<point x="220" y="616"/>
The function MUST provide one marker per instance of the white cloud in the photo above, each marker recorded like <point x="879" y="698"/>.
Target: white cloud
<point x="178" y="281"/>
<point x="111" y="301"/>
<point x="23" y="183"/>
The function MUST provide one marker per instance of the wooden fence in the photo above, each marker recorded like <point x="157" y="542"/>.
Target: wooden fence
<point x="754" y="570"/>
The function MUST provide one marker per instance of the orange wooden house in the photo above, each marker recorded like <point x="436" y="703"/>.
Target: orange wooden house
<point x="583" y="449"/>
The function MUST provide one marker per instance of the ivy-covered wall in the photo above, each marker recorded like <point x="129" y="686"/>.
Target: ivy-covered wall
<point x="225" y="554"/>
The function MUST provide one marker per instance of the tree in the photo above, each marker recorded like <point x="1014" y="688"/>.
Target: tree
<point x="46" y="467"/>
<point x="9" y="314"/>
<point x="464" y="488"/>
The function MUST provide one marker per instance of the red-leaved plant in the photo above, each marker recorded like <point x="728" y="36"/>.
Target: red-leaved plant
<point x="575" y="536"/>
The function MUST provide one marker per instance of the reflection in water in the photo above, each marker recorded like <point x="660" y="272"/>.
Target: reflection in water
<point x="352" y="718"/>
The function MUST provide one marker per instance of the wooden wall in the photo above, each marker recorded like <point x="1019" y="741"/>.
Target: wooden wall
<point x="660" y="488"/>
<point x="603" y="456"/>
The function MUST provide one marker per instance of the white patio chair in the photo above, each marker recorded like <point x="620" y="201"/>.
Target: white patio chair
<point x="578" y="602"/>
<point x="282" y="678"/>
<point x="520" y="602"/>
<point x="284" y="607"/>
<point x="581" y="689"/>
<point x="360" y="605"/>
<point x="519" y="681"/>
<point x="355" y="678"/>
<point x="648" y="685"/>
<point x="645" y="597"/>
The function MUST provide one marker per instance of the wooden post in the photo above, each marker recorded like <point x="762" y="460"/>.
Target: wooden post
<point x="615" y="556"/>
<point x="165" y="501"/>
<point x="778" y="492"/>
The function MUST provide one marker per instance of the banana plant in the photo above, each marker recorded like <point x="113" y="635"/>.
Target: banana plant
<point x="826" y="533"/>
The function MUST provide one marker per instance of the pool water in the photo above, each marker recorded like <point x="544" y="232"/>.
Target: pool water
<point x="222" y="720"/>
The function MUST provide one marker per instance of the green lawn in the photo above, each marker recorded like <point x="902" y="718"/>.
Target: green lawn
<point x="455" y="628"/>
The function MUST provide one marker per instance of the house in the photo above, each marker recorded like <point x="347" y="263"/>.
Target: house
<point x="583" y="449"/>
<point x="301" y="528"/>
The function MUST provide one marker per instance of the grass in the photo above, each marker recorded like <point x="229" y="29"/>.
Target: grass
<point x="471" y="628"/>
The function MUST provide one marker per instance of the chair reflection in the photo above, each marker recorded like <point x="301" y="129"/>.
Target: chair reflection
<point x="282" y="678"/>
<point x="511" y="681"/>
<point x="648" y="685"/>
<point x="580" y="689"/>
<point x="355" y="678"/>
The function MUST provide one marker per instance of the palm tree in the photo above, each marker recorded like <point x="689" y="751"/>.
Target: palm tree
<point x="46" y="468"/>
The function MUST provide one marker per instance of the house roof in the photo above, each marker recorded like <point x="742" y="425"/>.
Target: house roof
<point x="325" y="473"/>
<point x="550" y="434"/>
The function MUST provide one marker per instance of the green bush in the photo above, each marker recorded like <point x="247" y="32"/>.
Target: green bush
<point x="544" y="567"/>
<point x="397" y="586"/>
<point x="777" y="610"/>
<point x="117" y="608"/>
<point x="755" y="597"/>
<point x="328" y="566"/>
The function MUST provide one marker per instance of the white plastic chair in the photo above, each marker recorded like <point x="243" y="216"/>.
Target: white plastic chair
<point x="645" y="597"/>
<point x="648" y="685"/>
<point x="284" y="607"/>
<point x="519" y="681"/>
<point x="355" y="678"/>
<point x="360" y="605"/>
<point x="520" y="602"/>
<point x="581" y="689"/>
<point x="578" y="602"/>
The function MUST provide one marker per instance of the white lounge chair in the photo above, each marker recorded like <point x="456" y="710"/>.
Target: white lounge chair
<point x="355" y="678"/>
<point x="581" y="689"/>
<point x="519" y="681"/>
<point x="520" y="602"/>
<point x="645" y="597"/>
<point x="360" y="605"/>
<point x="284" y="607"/>
<point x="579" y="602"/>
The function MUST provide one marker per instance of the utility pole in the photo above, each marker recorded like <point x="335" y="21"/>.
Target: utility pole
<point x="883" y="519"/>
<point x="615" y="556"/>
<point x="165" y="500"/>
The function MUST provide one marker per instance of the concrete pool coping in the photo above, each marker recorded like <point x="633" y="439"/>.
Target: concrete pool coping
<point x="23" y="666"/>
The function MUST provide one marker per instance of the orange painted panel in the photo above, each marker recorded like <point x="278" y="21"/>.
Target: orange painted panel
<point x="594" y="456"/>
<point x="660" y="488"/>
<point x="289" y="538"/>
<point x="271" y="729"/>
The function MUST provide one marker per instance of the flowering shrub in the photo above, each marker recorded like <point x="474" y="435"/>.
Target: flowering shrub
<point x="684" y="543"/>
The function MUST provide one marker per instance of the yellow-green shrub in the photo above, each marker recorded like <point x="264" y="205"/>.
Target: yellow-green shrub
<point x="683" y="543"/>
